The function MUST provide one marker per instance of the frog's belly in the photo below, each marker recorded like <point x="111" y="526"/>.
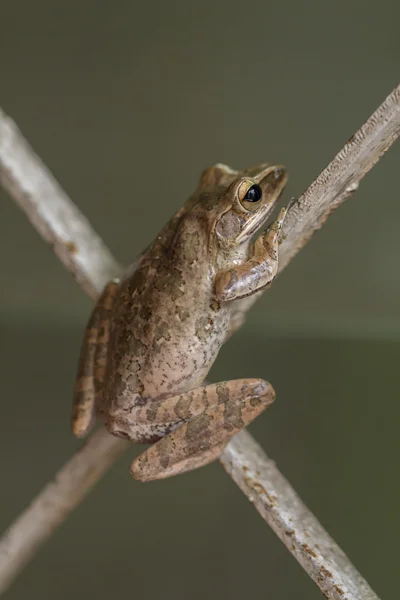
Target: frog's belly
<point x="170" y="369"/>
<point x="178" y="367"/>
<point x="170" y="365"/>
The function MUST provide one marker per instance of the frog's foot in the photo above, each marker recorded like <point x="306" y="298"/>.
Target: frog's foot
<point x="92" y="362"/>
<point x="213" y="414"/>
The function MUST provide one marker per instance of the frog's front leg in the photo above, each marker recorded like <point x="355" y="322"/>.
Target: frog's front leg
<point x="210" y="416"/>
<point x="258" y="272"/>
<point x="92" y="362"/>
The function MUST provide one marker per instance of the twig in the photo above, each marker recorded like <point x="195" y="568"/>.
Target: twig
<point x="52" y="212"/>
<point x="341" y="177"/>
<point x="277" y="502"/>
<point x="73" y="240"/>
<point x="55" y="502"/>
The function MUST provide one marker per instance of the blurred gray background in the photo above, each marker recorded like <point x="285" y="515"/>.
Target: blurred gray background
<point x="127" y="102"/>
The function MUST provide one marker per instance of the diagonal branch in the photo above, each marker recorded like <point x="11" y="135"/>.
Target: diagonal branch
<point x="341" y="177"/>
<point x="52" y="212"/>
<point x="79" y="248"/>
<point x="55" y="502"/>
<point x="277" y="502"/>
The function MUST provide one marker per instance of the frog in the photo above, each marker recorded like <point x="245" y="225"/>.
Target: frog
<point x="155" y="332"/>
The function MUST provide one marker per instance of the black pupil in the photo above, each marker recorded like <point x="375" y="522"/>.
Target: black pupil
<point x="253" y="194"/>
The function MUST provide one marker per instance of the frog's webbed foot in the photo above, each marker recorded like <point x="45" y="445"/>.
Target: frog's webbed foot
<point x="92" y="362"/>
<point x="213" y="414"/>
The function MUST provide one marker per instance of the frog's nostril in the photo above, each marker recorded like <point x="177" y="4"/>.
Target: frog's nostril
<point x="279" y="173"/>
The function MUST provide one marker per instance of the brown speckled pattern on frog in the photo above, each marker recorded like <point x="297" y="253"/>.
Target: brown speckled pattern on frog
<point x="153" y="337"/>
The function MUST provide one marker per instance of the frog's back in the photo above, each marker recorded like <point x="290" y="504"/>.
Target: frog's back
<point x="167" y="325"/>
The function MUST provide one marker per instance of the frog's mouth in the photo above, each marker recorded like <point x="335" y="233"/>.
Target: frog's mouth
<point x="259" y="226"/>
<point x="259" y="223"/>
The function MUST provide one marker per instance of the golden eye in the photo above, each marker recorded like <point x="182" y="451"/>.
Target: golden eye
<point x="253" y="196"/>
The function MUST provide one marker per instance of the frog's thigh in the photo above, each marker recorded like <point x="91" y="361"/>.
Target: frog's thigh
<point x="213" y="414"/>
<point x="92" y="362"/>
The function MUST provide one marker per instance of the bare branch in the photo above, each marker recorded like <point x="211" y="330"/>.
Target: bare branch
<point x="341" y="177"/>
<point x="52" y="212"/>
<point x="77" y="245"/>
<point x="55" y="502"/>
<point x="277" y="502"/>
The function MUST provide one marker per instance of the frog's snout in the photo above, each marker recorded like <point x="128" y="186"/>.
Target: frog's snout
<point x="279" y="173"/>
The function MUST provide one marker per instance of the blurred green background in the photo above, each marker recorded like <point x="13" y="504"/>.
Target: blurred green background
<point x="127" y="102"/>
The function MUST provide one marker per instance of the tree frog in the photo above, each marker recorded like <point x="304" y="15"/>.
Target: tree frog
<point x="154" y="335"/>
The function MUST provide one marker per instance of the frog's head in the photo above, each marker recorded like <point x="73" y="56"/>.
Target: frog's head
<point x="242" y="201"/>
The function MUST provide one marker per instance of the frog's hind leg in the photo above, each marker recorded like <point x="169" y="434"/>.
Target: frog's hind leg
<point x="92" y="362"/>
<point x="211" y="416"/>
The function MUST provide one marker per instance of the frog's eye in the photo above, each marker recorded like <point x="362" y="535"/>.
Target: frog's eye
<point x="254" y="194"/>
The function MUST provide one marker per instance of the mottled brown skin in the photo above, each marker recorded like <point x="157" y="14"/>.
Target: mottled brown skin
<point x="153" y="337"/>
